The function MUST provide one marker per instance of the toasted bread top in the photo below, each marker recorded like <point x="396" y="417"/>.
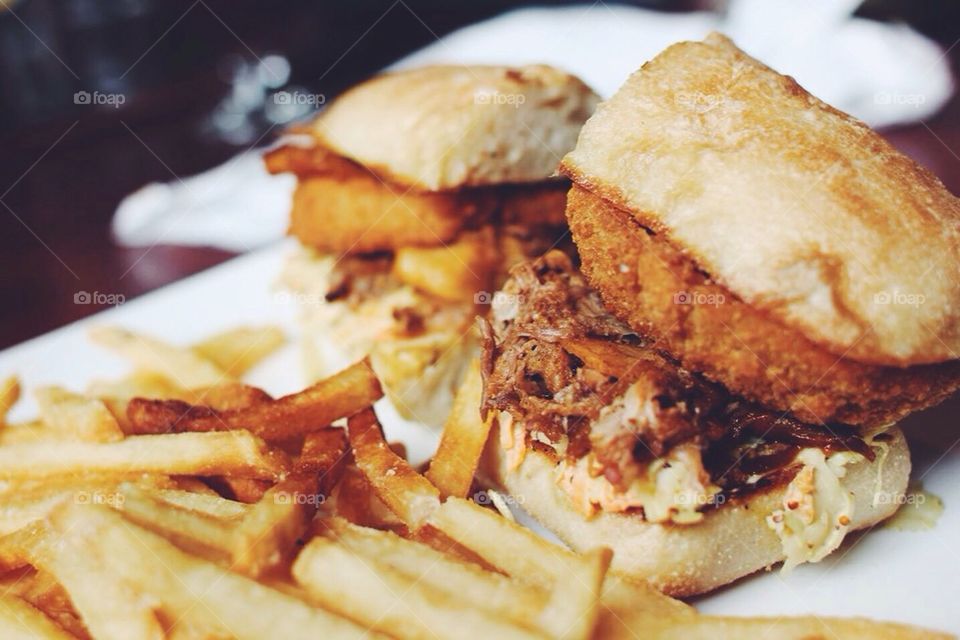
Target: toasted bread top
<point x="795" y="207"/>
<point x="445" y="127"/>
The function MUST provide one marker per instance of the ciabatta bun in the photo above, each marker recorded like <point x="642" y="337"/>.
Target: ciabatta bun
<point x="445" y="127"/>
<point x="796" y="208"/>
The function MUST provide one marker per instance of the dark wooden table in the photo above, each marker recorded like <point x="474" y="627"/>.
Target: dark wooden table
<point x="62" y="174"/>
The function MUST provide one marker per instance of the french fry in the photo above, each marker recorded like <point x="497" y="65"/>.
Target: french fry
<point x="194" y="591"/>
<point x="146" y="384"/>
<point x="354" y="500"/>
<point x="237" y="350"/>
<point x="314" y="408"/>
<point x="270" y="529"/>
<point x="181" y="366"/>
<point x="660" y="627"/>
<point x="245" y="490"/>
<point x="574" y="606"/>
<point x="493" y="591"/>
<point x="42" y="591"/>
<point x="209" y="504"/>
<point x="21" y="621"/>
<point x="110" y="609"/>
<point x="9" y="395"/>
<point x="324" y="455"/>
<point x="506" y="545"/>
<point x="116" y="395"/>
<point x="405" y="492"/>
<point x="76" y="417"/>
<point x="379" y="596"/>
<point x="195" y="531"/>
<point x="461" y="443"/>
<point x="183" y="453"/>
<point x="24" y="432"/>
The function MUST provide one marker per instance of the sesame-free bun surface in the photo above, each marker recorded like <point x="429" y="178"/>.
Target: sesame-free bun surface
<point x="732" y="541"/>
<point x="444" y="127"/>
<point x="796" y="208"/>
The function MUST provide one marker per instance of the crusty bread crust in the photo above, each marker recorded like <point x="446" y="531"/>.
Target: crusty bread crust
<point x="798" y="209"/>
<point x="446" y="127"/>
<point x="660" y="291"/>
<point x="683" y="560"/>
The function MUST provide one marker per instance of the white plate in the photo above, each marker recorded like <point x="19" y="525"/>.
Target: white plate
<point x="908" y="576"/>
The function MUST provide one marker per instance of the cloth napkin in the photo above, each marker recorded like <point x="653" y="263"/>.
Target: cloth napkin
<point x="884" y="74"/>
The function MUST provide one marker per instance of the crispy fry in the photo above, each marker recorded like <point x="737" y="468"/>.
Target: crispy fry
<point x="110" y="608"/>
<point x="191" y="590"/>
<point x="408" y="494"/>
<point x="245" y="490"/>
<point x="661" y="627"/>
<point x="238" y="350"/>
<point x="20" y="621"/>
<point x="182" y="453"/>
<point x="76" y="417"/>
<point x="461" y="444"/>
<point x="309" y="410"/>
<point x="209" y="504"/>
<point x="355" y="500"/>
<point x="324" y="455"/>
<point x="493" y="591"/>
<point x="574" y="606"/>
<point x="42" y="591"/>
<point x="9" y="395"/>
<point x="270" y="530"/>
<point x="181" y="366"/>
<point x="379" y="596"/>
<point x="193" y="531"/>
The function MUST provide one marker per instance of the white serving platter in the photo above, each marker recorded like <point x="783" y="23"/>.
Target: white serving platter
<point x="907" y="576"/>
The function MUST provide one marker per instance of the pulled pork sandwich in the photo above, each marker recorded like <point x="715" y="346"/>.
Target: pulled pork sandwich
<point x="416" y="191"/>
<point x="717" y="391"/>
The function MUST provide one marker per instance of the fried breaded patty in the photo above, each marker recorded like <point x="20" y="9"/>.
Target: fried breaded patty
<point x="659" y="291"/>
<point x="342" y="207"/>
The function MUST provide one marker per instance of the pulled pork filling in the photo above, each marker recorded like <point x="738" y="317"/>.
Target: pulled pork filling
<point x="628" y="427"/>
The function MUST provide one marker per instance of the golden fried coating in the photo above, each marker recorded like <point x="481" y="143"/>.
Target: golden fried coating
<point x="341" y="207"/>
<point x="661" y="292"/>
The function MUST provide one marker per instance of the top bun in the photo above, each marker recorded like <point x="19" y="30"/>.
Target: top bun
<point x="796" y="208"/>
<point x="444" y="127"/>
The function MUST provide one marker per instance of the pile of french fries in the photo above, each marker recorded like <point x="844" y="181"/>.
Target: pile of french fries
<point x="180" y="502"/>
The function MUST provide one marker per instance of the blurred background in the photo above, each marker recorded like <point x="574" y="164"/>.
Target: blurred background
<point x="100" y="97"/>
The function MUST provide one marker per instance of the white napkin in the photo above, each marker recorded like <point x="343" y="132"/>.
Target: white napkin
<point x="882" y="73"/>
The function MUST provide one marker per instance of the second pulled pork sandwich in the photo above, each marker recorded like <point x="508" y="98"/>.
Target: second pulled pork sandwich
<point x="416" y="190"/>
<point x="717" y="391"/>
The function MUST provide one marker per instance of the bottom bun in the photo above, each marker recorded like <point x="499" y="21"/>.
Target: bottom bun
<point x="730" y="542"/>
